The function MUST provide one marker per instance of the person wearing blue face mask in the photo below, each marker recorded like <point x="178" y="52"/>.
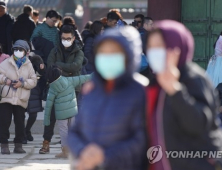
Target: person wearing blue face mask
<point x="109" y="131"/>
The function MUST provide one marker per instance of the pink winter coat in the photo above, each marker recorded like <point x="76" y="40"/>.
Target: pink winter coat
<point x="3" y="57"/>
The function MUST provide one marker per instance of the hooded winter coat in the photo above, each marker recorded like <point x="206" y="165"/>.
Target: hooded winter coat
<point x="42" y="47"/>
<point x="35" y="100"/>
<point x="62" y="95"/>
<point x="26" y="72"/>
<point x="115" y="121"/>
<point x="187" y="120"/>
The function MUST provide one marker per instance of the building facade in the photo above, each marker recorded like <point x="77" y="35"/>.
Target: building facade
<point x="202" y="17"/>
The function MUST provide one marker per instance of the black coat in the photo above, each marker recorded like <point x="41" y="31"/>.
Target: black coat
<point x="84" y="34"/>
<point x="23" y="28"/>
<point x="35" y="100"/>
<point x="89" y="52"/>
<point x="42" y="47"/>
<point x="188" y="119"/>
<point x="6" y="24"/>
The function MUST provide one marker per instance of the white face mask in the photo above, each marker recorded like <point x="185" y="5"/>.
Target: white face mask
<point x="66" y="43"/>
<point x="157" y="59"/>
<point x="19" y="54"/>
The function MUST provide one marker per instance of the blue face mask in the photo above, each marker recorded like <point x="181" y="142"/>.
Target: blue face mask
<point x="110" y="66"/>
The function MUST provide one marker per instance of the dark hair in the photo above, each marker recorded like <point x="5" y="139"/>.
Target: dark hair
<point x="68" y="20"/>
<point x="68" y="29"/>
<point x="1" y="50"/>
<point x="113" y="16"/>
<point x="52" y="13"/>
<point x="53" y="73"/>
<point x="147" y="19"/>
<point x="27" y="9"/>
<point x="36" y="13"/>
<point x="117" y="12"/>
<point x="60" y="17"/>
<point x="88" y="25"/>
<point x="139" y="16"/>
<point x="96" y="27"/>
<point x="60" y="22"/>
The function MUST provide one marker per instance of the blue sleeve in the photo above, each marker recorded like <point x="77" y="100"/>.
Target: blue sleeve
<point x="133" y="149"/>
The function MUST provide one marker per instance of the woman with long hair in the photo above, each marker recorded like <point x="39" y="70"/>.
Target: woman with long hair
<point x="95" y="30"/>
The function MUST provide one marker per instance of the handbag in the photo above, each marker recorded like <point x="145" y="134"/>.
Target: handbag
<point x="6" y="94"/>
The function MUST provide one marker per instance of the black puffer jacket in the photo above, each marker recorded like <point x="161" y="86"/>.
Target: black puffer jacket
<point x="84" y="34"/>
<point x="89" y="53"/>
<point x="35" y="101"/>
<point x="42" y="47"/>
<point x="23" y="28"/>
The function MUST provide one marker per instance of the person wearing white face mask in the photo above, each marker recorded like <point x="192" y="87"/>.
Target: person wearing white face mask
<point x="17" y="78"/>
<point x="69" y="57"/>
<point x="183" y="109"/>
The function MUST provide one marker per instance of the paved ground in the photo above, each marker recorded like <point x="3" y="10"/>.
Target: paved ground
<point x="32" y="160"/>
<point x="38" y="127"/>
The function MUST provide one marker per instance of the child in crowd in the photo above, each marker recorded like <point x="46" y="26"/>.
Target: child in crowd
<point x="62" y="95"/>
<point x="35" y="99"/>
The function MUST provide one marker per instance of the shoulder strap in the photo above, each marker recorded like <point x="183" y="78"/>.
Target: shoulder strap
<point x="7" y="92"/>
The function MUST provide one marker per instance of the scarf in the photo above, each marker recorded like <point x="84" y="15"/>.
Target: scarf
<point x="19" y="61"/>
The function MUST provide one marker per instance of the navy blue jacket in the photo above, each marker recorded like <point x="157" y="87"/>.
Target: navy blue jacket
<point x="115" y="122"/>
<point x="89" y="52"/>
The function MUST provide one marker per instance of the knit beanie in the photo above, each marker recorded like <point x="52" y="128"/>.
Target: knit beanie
<point x="21" y="44"/>
<point x="53" y="73"/>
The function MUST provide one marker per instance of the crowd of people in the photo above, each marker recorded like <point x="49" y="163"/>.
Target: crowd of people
<point x="115" y="90"/>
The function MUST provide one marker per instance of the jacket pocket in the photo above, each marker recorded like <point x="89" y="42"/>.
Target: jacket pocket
<point x="24" y="94"/>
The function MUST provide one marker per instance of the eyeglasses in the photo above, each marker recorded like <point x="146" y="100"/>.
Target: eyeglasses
<point x="54" y="21"/>
<point x="138" y="21"/>
<point x="67" y="39"/>
<point x="18" y="49"/>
